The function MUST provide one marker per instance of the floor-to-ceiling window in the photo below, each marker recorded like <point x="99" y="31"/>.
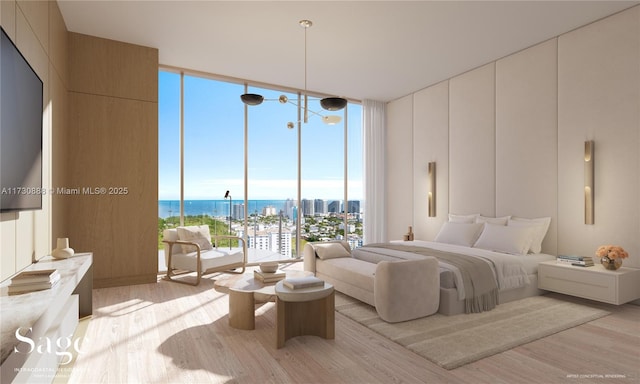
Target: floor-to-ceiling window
<point x="279" y="171"/>
<point x="272" y="177"/>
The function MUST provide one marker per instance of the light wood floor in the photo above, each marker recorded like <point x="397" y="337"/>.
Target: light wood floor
<point x="174" y="333"/>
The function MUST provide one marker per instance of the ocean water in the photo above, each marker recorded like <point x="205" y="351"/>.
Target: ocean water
<point x="168" y="208"/>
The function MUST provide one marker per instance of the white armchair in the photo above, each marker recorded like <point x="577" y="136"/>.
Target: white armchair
<point x="191" y="249"/>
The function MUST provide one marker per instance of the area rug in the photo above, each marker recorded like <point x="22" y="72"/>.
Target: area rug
<point x="453" y="341"/>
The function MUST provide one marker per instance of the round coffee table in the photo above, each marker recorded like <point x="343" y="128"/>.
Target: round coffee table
<point x="244" y="292"/>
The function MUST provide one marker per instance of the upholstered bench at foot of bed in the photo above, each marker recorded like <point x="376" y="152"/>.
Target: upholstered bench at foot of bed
<point x="399" y="290"/>
<point x="407" y="290"/>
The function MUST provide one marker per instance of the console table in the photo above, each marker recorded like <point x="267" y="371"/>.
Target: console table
<point x="44" y="316"/>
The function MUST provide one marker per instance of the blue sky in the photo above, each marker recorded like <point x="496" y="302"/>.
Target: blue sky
<point x="214" y="142"/>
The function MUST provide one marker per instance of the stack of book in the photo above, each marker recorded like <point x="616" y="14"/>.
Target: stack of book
<point x="30" y="281"/>
<point x="269" y="277"/>
<point x="578" y="261"/>
<point x="303" y="282"/>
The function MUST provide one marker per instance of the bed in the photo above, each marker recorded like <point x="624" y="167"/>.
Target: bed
<point x="511" y="251"/>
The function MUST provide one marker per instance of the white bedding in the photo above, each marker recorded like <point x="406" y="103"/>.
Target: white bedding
<point x="511" y="271"/>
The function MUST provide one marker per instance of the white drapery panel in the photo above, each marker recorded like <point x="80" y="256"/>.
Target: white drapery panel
<point x="374" y="171"/>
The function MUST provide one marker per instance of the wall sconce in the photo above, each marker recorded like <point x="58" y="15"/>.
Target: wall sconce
<point x="432" y="189"/>
<point x="588" y="182"/>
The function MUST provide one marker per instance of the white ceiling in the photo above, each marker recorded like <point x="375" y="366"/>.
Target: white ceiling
<point x="379" y="50"/>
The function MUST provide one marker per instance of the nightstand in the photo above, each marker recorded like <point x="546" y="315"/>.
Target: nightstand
<point x="594" y="283"/>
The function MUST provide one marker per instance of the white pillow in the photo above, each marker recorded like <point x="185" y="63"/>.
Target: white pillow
<point x="493" y="220"/>
<point x="503" y="238"/>
<point x="331" y="251"/>
<point x="459" y="233"/>
<point x="198" y="234"/>
<point x="542" y="226"/>
<point x="463" y="218"/>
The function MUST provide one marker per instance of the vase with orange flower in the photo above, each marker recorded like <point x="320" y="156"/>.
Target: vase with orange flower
<point x="611" y="256"/>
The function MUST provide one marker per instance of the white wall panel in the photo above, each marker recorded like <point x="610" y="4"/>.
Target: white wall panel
<point x="526" y="136"/>
<point x="430" y="138"/>
<point x="599" y="99"/>
<point x="588" y="81"/>
<point x="399" y="167"/>
<point x="27" y="235"/>
<point x="472" y="142"/>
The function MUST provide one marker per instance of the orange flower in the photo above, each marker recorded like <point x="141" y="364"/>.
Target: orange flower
<point x="612" y="252"/>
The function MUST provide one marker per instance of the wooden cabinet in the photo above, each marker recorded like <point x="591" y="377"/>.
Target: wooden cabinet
<point x="595" y="283"/>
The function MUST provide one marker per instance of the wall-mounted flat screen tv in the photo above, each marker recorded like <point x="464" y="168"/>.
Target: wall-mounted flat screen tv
<point x="20" y="131"/>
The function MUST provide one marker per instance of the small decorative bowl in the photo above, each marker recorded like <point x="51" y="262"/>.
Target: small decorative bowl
<point x="269" y="267"/>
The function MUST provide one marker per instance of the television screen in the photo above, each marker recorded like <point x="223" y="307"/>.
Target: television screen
<point x="20" y="131"/>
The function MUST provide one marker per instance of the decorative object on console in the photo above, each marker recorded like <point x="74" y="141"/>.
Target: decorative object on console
<point x="432" y="189"/>
<point x="588" y="182"/>
<point x="327" y="103"/>
<point x="62" y="250"/>
<point x="30" y="281"/>
<point x="409" y="235"/>
<point x="611" y="256"/>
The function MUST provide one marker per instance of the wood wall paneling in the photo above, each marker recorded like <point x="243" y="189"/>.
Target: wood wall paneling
<point x="34" y="227"/>
<point x="7" y="18"/>
<point x="599" y="99"/>
<point x="59" y="154"/>
<point x="430" y="138"/>
<point x="107" y="67"/>
<point x="37" y="12"/>
<point x="113" y="143"/>
<point x="400" y="165"/>
<point x="472" y="142"/>
<point x="58" y="106"/>
<point x="526" y="136"/>
<point x="58" y="43"/>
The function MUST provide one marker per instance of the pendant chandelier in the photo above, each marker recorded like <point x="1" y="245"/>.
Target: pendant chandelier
<point x="327" y="103"/>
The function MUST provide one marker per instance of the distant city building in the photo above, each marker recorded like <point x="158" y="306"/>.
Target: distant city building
<point x="269" y="210"/>
<point x="269" y="240"/>
<point x="321" y="207"/>
<point x="335" y="206"/>
<point x="281" y="245"/>
<point x="289" y="207"/>
<point x="307" y="207"/>
<point x="354" y="206"/>
<point x="350" y="228"/>
<point x="237" y="212"/>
